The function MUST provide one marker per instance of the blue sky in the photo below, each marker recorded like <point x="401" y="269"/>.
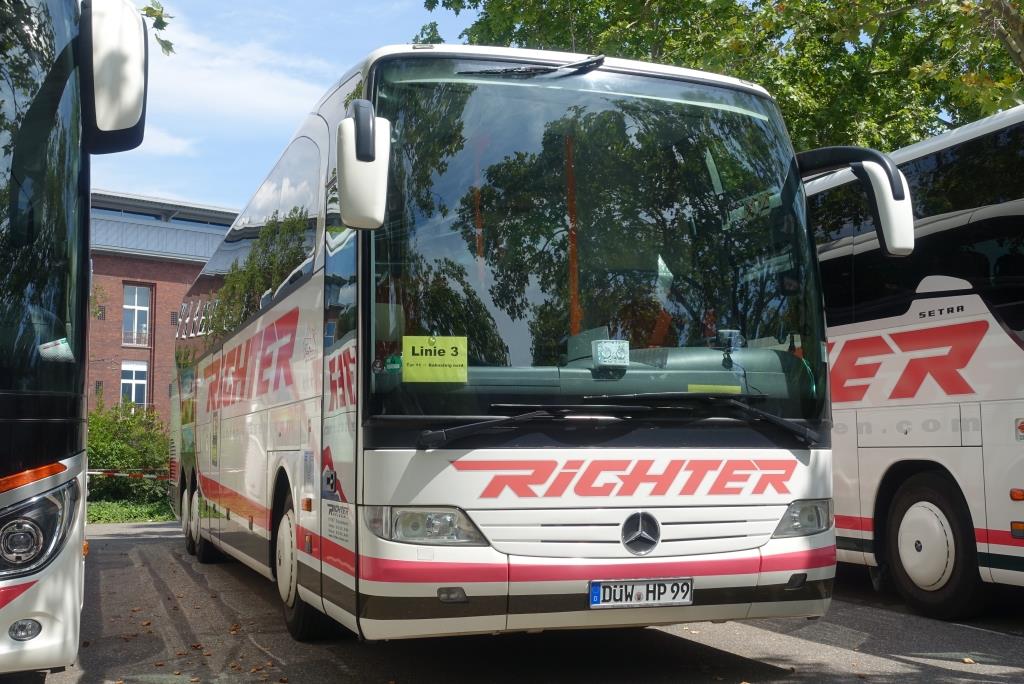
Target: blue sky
<point x="244" y="74"/>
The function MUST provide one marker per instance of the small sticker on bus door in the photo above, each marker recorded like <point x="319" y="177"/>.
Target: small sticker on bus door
<point x="428" y="358"/>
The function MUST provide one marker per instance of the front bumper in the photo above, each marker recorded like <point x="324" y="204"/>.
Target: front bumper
<point x="398" y="588"/>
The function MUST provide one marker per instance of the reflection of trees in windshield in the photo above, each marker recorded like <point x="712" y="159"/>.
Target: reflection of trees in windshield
<point x="665" y="212"/>
<point x="277" y="251"/>
<point x="42" y="281"/>
<point x="428" y="126"/>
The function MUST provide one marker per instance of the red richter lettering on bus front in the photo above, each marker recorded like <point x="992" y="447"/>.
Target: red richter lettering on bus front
<point x="960" y="339"/>
<point x="729" y="477"/>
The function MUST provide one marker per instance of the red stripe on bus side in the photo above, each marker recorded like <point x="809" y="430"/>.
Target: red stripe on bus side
<point x="8" y="594"/>
<point x="237" y="503"/>
<point x="1001" y="537"/>
<point x="852" y="522"/>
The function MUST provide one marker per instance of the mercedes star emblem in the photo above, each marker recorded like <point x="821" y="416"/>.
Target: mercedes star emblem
<point x="641" y="533"/>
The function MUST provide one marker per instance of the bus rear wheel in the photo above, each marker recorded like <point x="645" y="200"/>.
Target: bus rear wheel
<point x="205" y="551"/>
<point x="300" y="617"/>
<point x="186" y="522"/>
<point x="931" y="550"/>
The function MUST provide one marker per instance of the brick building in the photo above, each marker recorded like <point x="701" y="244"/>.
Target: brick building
<point x="145" y="254"/>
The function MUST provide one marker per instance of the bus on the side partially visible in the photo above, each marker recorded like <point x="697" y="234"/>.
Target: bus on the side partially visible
<point x="74" y="84"/>
<point x="927" y="369"/>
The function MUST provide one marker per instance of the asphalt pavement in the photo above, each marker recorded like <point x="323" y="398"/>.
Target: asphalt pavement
<point x="153" y="614"/>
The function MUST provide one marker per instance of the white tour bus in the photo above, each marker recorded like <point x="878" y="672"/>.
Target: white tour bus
<point x="517" y="340"/>
<point x="75" y="85"/>
<point x="927" y="369"/>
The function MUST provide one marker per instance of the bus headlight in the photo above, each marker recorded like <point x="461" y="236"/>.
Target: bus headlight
<point x="32" y="532"/>
<point x="804" y="518"/>
<point x="440" y="526"/>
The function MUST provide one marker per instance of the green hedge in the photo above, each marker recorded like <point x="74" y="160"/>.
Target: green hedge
<point x="127" y="438"/>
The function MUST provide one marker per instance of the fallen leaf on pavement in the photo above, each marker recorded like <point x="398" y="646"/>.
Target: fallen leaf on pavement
<point x="147" y="623"/>
<point x="969" y="661"/>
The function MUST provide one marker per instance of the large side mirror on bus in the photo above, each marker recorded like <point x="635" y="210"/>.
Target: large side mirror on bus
<point x="886" y="188"/>
<point x="114" y="64"/>
<point x="364" y="146"/>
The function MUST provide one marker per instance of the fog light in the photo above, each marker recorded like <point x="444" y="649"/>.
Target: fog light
<point x="23" y="630"/>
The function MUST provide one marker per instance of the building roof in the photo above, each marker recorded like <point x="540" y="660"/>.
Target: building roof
<point x="110" y="199"/>
<point x="157" y="228"/>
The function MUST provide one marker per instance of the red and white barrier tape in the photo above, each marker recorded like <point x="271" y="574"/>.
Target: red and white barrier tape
<point x="131" y="476"/>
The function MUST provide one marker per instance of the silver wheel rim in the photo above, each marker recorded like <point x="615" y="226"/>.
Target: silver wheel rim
<point x="186" y="524"/>
<point x="926" y="546"/>
<point x="193" y="520"/>
<point x="285" y="559"/>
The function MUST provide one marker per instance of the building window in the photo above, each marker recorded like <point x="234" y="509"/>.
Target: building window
<point x="99" y="388"/>
<point x="135" y="329"/>
<point x="174" y="318"/>
<point x="133" y="382"/>
<point x="101" y="312"/>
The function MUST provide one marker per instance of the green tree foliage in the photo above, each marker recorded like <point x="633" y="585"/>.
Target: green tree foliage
<point x="883" y="73"/>
<point x="278" y="250"/>
<point x="429" y="33"/>
<point x="158" y="18"/>
<point x="126" y="437"/>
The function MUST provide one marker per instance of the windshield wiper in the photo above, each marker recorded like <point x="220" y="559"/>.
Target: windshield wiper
<point x="580" y="67"/>
<point x="433" y="439"/>
<point x="806" y="434"/>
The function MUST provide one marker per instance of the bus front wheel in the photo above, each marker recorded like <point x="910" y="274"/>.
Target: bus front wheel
<point x="931" y="549"/>
<point x="299" y="616"/>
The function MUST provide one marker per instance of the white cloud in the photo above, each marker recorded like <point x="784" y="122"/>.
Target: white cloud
<point x="239" y="83"/>
<point x="161" y="142"/>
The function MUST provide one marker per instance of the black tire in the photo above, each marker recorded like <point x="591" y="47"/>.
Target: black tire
<point x="186" y="526"/>
<point x="206" y="552"/>
<point x="304" y="622"/>
<point x="943" y="581"/>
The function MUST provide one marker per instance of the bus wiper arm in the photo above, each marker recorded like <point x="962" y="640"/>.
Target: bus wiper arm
<point x="580" y="67"/>
<point x="806" y="434"/>
<point x="433" y="439"/>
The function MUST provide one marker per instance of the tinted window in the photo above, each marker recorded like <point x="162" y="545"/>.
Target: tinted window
<point x="976" y="173"/>
<point x="269" y="245"/>
<point x="946" y="187"/>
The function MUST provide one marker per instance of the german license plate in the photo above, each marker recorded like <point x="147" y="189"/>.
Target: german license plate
<point x="641" y="593"/>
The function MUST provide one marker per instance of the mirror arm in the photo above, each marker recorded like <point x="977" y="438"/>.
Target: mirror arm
<point x="825" y="159"/>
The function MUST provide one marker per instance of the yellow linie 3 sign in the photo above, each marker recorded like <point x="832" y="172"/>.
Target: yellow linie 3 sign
<point x="434" y="359"/>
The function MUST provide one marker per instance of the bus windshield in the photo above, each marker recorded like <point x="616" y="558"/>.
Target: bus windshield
<point x="43" y="240"/>
<point x="556" y="237"/>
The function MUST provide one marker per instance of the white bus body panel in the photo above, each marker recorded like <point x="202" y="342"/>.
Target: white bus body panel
<point x="931" y="385"/>
<point x="53" y="596"/>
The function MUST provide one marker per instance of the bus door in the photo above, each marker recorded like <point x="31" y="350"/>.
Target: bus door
<point x="338" y="489"/>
